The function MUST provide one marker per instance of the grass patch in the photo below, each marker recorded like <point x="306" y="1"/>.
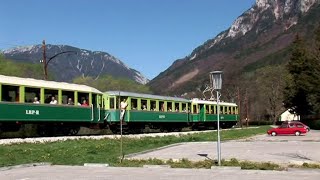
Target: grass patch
<point x="185" y="163"/>
<point x="77" y="152"/>
<point x="306" y="165"/>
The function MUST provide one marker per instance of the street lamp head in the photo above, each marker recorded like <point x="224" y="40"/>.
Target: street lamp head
<point x="216" y="78"/>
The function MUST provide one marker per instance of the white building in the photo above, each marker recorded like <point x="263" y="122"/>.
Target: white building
<point x="287" y="116"/>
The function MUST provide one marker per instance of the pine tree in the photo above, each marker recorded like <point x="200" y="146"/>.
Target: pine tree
<point x="301" y="93"/>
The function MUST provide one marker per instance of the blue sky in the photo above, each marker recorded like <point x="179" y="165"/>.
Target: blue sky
<point x="147" y="35"/>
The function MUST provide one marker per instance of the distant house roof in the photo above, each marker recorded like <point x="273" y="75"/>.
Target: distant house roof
<point x="29" y="82"/>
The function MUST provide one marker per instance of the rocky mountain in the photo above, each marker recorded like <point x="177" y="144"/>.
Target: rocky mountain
<point x="79" y="62"/>
<point x="258" y="37"/>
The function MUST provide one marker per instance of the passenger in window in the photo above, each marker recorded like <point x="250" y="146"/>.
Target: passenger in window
<point x="70" y="102"/>
<point x="123" y="106"/>
<point x="162" y="107"/>
<point x="84" y="103"/>
<point x="53" y="100"/>
<point x="144" y="107"/>
<point x="35" y="100"/>
<point x="154" y="108"/>
<point x="169" y="109"/>
<point x="133" y="106"/>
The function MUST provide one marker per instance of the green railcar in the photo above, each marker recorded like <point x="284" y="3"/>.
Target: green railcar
<point x="166" y="113"/>
<point x="204" y="113"/>
<point x="27" y="101"/>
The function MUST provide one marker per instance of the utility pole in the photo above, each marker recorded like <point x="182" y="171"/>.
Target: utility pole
<point x="44" y="60"/>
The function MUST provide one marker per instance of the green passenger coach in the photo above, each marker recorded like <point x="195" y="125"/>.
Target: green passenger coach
<point x="165" y="113"/>
<point x="52" y="106"/>
<point x="62" y="108"/>
<point x="204" y="113"/>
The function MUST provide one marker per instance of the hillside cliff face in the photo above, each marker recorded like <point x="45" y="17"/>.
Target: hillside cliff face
<point x="267" y="28"/>
<point x="79" y="62"/>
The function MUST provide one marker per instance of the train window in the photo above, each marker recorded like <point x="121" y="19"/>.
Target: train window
<point x="111" y="101"/>
<point x="195" y="109"/>
<point x="48" y="94"/>
<point x="118" y="101"/>
<point x="169" y="106"/>
<point x="162" y="106"/>
<point x="207" y="109"/>
<point x="134" y="104"/>
<point x="177" y="107"/>
<point x="10" y="93"/>
<point x="221" y="110"/>
<point x="122" y="98"/>
<point x="83" y="98"/>
<point x="68" y="97"/>
<point x="153" y="106"/>
<point x="189" y="107"/>
<point x="144" y="105"/>
<point x="32" y="95"/>
<point x="184" y="107"/>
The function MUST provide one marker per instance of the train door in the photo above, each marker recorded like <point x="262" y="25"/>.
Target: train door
<point x="96" y="109"/>
<point x="202" y="113"/>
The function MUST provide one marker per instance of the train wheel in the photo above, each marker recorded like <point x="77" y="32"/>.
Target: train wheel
<point x="43" y="131"/>
<point x="74" y="131"/>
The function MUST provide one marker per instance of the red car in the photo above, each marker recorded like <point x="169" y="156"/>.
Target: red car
<point x="288" y="128"/>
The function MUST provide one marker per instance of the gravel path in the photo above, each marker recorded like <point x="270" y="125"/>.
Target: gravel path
<point x="65" y="138"/>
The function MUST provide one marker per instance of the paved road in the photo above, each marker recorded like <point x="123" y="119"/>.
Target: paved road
<point x="281" y="149"/>
<point x="263" y="148"/>
<point x="93" y="173"/>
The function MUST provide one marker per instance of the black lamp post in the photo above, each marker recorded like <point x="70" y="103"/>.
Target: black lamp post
<point x="216" y="77"/>
<point x="45" y="62"/>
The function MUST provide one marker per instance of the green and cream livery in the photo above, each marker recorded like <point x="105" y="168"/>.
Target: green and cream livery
<point x="29" y="101"/>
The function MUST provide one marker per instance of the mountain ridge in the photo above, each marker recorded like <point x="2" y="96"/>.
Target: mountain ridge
<point x="81" y="63"/>
<point x="265" y="28"/>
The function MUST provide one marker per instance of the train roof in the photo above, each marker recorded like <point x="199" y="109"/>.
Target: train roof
<point x="11" y="80"/>
<point x="198" y="101"/>
<point x="149" y="96"/>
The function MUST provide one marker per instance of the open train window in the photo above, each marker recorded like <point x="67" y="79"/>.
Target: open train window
<point x="162" y="106"/>
<point x="195" y="109"/>
<point x="153" y="105"/>
<point x="10" y="93"/>
<point x="83" y="98"/>
<point x="169" y="106"/>
<point x="210" y="111"/>
<point x="221" y="109"/>
<point x="48" y="94"/>
<point x="134" y="104"/>
<point x="68" y="98"/>
<point x="177" y="107"/>
<point x="207" y="109"/>
<point x="31" y="94"/>
<point x="144" y="105"/>
<point x="111" y="102"/>
<point x="184" y="107"/>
